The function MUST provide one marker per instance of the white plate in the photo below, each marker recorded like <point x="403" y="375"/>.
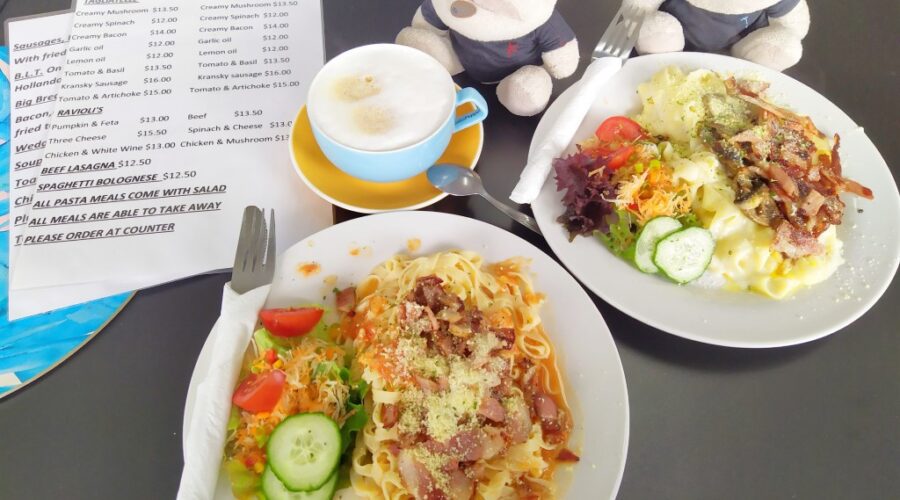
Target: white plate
<point x="871" y="238"/>
<point x="593" y="373"/>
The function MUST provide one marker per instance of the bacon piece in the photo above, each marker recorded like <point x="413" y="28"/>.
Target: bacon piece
<point x="468" y="444"/>
<point x="492" y="410"/>
<point x="429" y="292"/>
<point x="858" y="189"/>
<point x="436" y="447"/>
<point x="795" y="242"/>
<point x="803" y="121"/>
<point x="345" y="301"/>
<point x="507" y="337"/>
<point x="494" y="443"/>
<point x="461" y="486"/>
<point x="566" y="455"/>
<point x="445" y="342"/>
<point x="427" y="385"/>
<point x="795" y="159"/>
<point x="834" y="173"/>
<point x="759" y="145"/>
<point x="417" y="479"/>
<point x="410" y="439"/>
<point x="547" y="411"/>
<point x="389" y="415"/>
<point x="748" y="87"/>
<point x="785" y="182"/>
<point x="518" y="421"/>
<point x="835" y="163"/>
<point x="434" y="322"/>
<point x="812" y="203"/>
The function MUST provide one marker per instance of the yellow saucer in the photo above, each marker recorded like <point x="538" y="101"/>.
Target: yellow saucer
<point x="344" y="190"/>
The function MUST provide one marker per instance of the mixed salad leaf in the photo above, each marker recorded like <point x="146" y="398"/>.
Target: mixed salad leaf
<point x="297" y="379"/>
<point x="588" y="188"/>
<point x="616" y="187"/>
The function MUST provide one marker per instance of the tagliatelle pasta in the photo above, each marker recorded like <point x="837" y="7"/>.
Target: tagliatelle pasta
<point x="711" y="184"/>
<point x="458" y="361"/>
<point x="744" y="258"/>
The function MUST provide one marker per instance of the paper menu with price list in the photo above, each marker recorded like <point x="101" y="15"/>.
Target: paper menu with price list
<point x="38" y="47"/>
<point x="171" y="117"/>
<point x="38" y="53"/>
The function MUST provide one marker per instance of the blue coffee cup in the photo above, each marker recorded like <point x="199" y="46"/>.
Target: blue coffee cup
<point x="402" y="163"/>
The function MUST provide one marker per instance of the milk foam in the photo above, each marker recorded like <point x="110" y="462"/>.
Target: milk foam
<point x="381" y="97"/>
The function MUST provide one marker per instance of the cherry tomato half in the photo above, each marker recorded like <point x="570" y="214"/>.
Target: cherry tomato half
<point x="619" y="157"/>
<point x="259" y="392"/>
<point x="290" y="322"/>
<point x="618" y="131"/>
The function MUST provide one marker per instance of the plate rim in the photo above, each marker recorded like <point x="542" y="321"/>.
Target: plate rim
<point x="295" y="165"/>
<point x="676" y="58"/>
<point x="618" y="370"/>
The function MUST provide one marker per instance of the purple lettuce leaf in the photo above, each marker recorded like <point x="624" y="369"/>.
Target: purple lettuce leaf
<point x="586" y="196"/>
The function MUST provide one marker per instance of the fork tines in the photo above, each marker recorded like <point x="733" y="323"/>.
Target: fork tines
<point x="621" y="34"/>
<point x="254" y="259"/>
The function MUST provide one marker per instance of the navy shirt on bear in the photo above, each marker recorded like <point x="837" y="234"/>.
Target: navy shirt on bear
<point x="490" y="62"/>
<point x="708" y="31"/>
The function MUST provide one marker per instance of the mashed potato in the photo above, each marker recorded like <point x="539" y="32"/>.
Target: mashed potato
<point x="673" y="102"/>
<point x="743" y="259"/>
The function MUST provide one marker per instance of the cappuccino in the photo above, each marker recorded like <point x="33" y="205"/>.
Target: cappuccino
<point x="381" y="98"/>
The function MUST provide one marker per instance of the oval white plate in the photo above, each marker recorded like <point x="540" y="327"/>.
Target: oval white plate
<point x="590" y="362"/>
<point x="871" y="238"/>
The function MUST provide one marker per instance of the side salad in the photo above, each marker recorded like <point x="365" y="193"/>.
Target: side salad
<point x="295" y="411"/>
<point x="618" y="189"/>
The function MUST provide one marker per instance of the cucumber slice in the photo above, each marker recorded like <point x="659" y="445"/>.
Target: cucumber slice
<point x="274" y="489"/>
<point x="653" y="231"/>
<point x="304" y="450"/>
<point x="684" y="255"/>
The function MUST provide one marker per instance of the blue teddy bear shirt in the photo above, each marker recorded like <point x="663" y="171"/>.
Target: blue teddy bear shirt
<point x="490" y="62"/>
<point x="708" y="31"/>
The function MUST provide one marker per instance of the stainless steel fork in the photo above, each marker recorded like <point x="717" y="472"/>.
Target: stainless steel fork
<point x="621" y="34"/>
<point x="609" y="55"/>
<point x="254" y="259"/>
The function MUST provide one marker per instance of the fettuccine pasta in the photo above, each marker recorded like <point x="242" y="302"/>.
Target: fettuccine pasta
<point x="466" y="396"/>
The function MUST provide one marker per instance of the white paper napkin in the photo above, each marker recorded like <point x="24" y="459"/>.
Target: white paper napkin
<point x="563" y="129"/>
<point x="204" y="435"/>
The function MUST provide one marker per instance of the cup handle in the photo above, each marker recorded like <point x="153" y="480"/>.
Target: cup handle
<point x="465" y="95"/>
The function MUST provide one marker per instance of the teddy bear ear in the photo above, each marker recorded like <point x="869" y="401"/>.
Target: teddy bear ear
<point x="468" y="8"/>
<point x="462" y="9"/>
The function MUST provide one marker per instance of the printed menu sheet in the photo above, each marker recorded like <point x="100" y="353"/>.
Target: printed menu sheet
<point x="170" y="118"/>
<point x="38" y="46"/>
<point x="38" y="53"/>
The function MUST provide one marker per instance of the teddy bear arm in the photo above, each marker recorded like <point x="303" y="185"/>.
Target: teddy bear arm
<point x="430" y="39"/>
<point x="562" y="62"/>
<point x="660" y="33"/>
<point x="774" y="46"/>
<point x="797" y="20"/>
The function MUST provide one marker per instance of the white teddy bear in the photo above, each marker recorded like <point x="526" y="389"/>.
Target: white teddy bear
<point x="521" y="44"/>
<point x="767" y="32"/>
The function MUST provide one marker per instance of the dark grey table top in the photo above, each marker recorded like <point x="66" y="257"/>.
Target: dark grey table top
<point x="820" y="420"/>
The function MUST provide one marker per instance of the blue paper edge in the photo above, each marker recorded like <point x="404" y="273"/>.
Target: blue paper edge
<point x="31" y="347"/>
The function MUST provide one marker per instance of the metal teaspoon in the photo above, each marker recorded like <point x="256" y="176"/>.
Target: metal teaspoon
<point x="460" y="181"/>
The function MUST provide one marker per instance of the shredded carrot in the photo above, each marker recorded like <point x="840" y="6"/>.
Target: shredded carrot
<point x="652" y="193"/>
